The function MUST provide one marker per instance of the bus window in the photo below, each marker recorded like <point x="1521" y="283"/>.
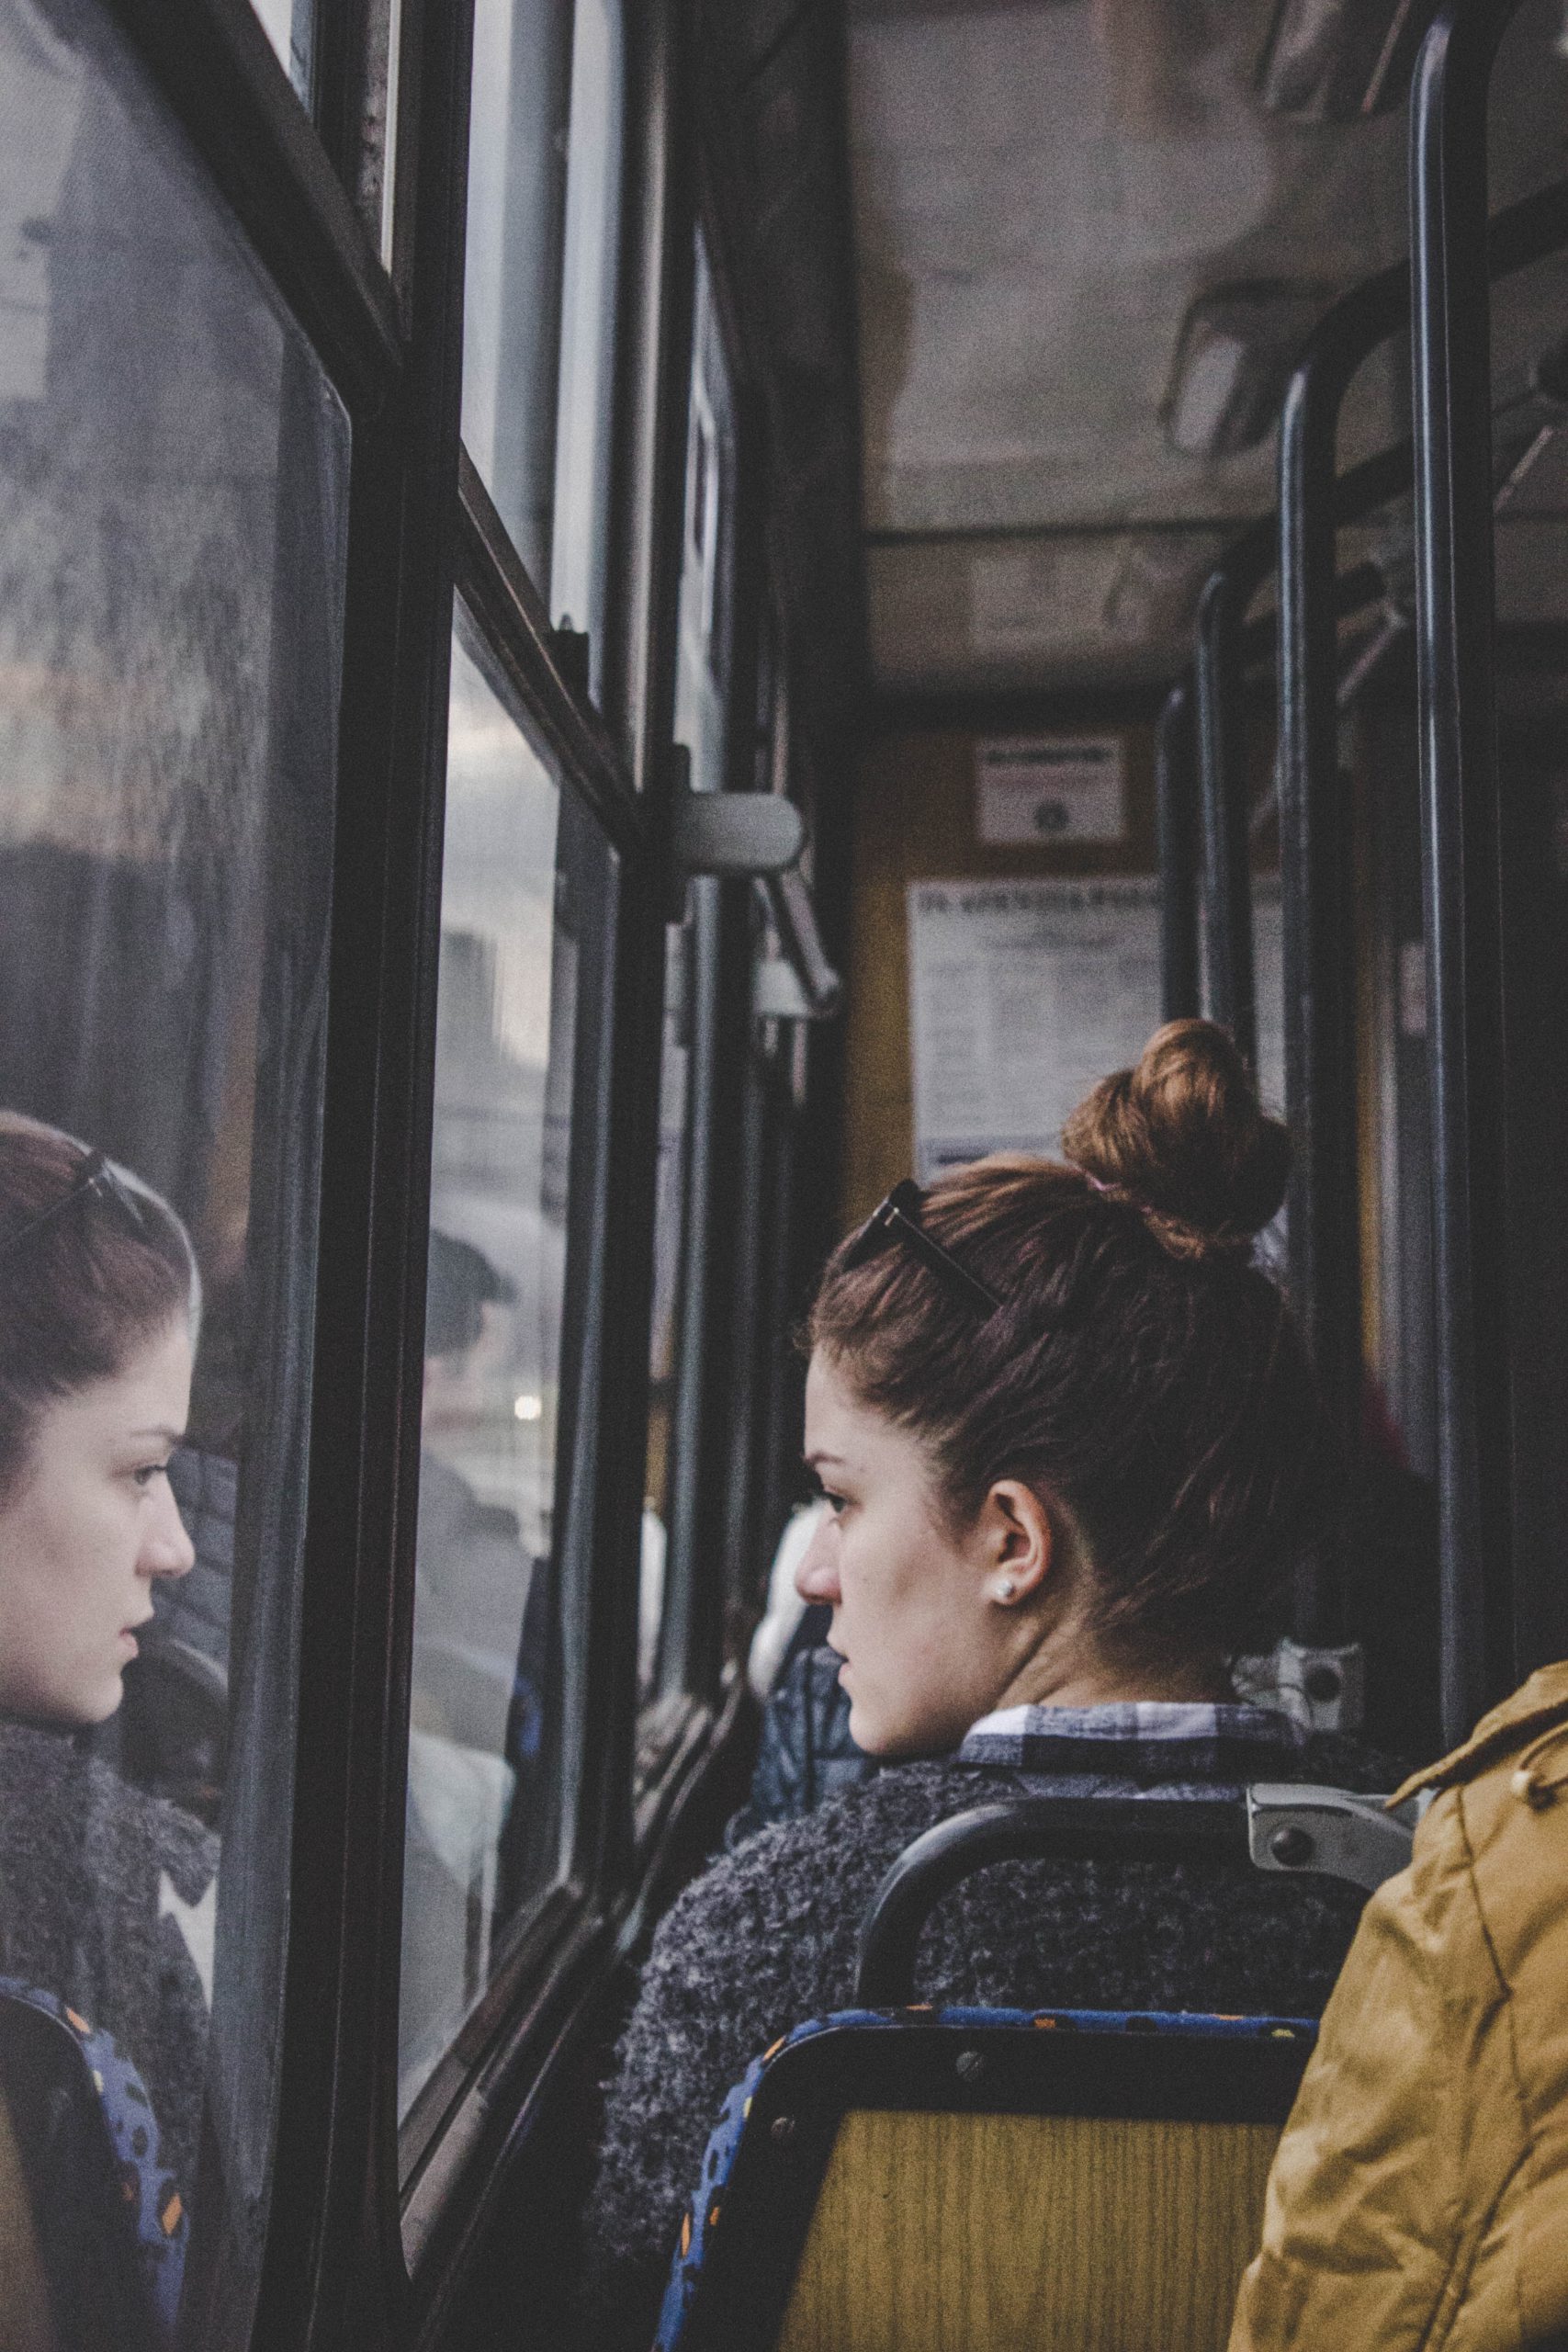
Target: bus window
<point x="173" y="499"/>
<point x="669" y="1237"/>
<point x="485" y="1805"/>
<point x="290" y="25"/>
<point x="579" y="556"/>
<point x="519" y="128"/>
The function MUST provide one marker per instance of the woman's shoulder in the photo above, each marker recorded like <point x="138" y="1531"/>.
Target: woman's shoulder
<point x="57" y="1796"/>
<point x="829" y="1859"/>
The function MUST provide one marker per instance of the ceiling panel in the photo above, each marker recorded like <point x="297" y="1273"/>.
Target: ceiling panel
<point x="1041" y="195"/>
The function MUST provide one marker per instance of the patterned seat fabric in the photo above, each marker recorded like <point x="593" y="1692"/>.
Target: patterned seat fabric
<point x="155" y="2207"/>
<point x="703" y="2214"/>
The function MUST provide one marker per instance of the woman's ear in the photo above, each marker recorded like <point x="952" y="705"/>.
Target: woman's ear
<point x="1017" y="1541"/>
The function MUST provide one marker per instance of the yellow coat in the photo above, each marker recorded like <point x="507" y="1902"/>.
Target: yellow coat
<point x="1419" y="2197"/>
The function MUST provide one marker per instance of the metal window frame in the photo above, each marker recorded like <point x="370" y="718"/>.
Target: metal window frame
<point x="696" y="1667"/>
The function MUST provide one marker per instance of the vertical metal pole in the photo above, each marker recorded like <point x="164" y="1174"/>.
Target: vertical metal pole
<point x="1317" y="956"/>
<point x="1176" y="813"/>
<point x="1315" y="830"/>
<point x="1221" y="744"/>
<point x="1317" y="890"/>
<point x="1461" y="843"/>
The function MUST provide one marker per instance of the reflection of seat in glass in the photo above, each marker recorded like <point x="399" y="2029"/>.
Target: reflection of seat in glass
<point x="92" y="2228"/>
<point x="176" y="1727"/>
<point x="27" y="2324"/>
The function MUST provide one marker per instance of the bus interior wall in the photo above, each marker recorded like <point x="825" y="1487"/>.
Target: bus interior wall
<point x="432" y="433"/>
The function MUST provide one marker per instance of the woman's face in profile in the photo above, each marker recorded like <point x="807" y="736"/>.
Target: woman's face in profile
<point x="910" y="1617"/>
<point x="90" y="1523"/>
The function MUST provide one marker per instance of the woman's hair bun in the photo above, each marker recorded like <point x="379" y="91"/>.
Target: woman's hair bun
<point x="1184" y="1139"/>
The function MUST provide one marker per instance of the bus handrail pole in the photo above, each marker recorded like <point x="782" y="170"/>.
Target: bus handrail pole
<point x="1316" y="845"/>
<point x="1455" y="621"/>
<point x="1176" y="811"/>
<point x="1222" y="782"/>
<point x="1317" y="892"/>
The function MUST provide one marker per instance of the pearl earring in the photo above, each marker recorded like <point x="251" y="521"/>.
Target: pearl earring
<point x="1006" y="1589"/>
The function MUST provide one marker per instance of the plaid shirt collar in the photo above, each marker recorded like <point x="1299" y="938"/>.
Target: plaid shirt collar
<point x="1143" y="1742"/>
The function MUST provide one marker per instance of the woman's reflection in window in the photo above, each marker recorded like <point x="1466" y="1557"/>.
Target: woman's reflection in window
<point x="104" y="1891"/>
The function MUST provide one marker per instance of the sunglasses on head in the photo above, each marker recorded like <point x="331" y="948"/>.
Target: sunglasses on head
<point x="897" y="1220"/>
<point x="96" y="1176"/>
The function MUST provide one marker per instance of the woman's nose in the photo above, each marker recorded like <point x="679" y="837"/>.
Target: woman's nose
<point x="167" y="1550"/>
<point x="816" y="1577"/>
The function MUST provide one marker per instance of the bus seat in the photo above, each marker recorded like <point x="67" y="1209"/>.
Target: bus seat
<point x="986" y="2180"/>
<point x="88" y="2206"/>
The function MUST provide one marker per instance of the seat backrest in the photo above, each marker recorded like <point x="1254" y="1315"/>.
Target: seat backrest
<point x="26" y="2321"/>
<point x="1308" y="1833"/>
<point x="985" y="2180"/>
<point x="1062" y="2233"/>
<point x="89" y="2199"/>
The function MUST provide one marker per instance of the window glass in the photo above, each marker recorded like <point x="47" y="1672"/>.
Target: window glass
<point x="669" y="1236"/>
<point x="518" y="136"/>
<point x="173" y="490"/>
<point x="373" y="167"/>
<point x="587" y="355"/>
<point x="676" y="1401"/>
<point x="702" y="677"/>
<point x="379" y="165"/>
<point x="290" y="27"/>
<point x="486" y="1741"/>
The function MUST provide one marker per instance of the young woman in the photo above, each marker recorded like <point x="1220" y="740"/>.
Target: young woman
<point x="1072" y="1448"/>
<point x="99" y="1304"/>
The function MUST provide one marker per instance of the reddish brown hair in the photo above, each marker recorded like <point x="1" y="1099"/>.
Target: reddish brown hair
<point x="1140" y="1370"/>
<point x="80" y="1292"/>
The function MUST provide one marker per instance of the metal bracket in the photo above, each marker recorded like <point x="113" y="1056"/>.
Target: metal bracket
<point x="778" y="993"/>
<point x="793" y="918"/>
<point x="1331" y="1683"/>
<point x="1291" y="1826"/>
<point x="737" y="835"/>
<point x="756" y="837"/>
<point x="1321" y="1689"/>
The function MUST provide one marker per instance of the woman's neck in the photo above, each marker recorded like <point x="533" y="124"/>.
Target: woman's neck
<point x="1064" y="1673"/>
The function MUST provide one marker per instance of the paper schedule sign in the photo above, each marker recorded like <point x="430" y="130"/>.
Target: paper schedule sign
<point x="1023" y="994"/>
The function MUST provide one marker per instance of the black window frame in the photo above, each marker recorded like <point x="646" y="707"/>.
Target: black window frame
<point x="695" y="1687"/>
<point x="334" y="2266"/>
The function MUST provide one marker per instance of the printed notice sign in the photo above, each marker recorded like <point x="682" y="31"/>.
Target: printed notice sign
<point x="1051" y="788"/>
<point x="1022" y="995"/>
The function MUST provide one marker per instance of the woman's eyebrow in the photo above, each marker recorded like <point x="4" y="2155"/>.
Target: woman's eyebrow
<point x="159" y="1429"/>
<point x="815" y="1459"/>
